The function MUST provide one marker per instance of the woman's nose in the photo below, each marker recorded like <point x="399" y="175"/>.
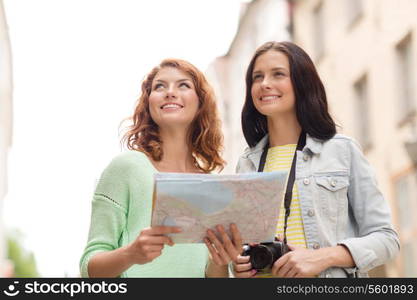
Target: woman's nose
<point x="266" y="84"/>
<point x="171" y="92"/>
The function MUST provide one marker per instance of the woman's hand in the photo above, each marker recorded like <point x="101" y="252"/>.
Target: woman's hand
<point x="242" y="268"/>
<point x="224" y="251"/>
<point x="149" y="244"/>
<point x="301" y="262"/>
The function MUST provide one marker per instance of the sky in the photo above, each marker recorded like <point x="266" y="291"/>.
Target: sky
<point x="77" y="70"/>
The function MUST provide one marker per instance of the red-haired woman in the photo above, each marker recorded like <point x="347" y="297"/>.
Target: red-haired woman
<point x="175" y="129"/>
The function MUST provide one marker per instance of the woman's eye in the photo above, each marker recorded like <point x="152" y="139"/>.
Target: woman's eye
<point x="158" y="86"/>
<point x="256" y="77"/>
<point x="279" y="74"/>
<point x="184" y="84"/>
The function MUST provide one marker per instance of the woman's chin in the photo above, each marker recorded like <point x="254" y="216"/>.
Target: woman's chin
<point x="174" y="123"/>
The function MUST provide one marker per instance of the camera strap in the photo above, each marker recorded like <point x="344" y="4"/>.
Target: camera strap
<point x="291" y="177"/>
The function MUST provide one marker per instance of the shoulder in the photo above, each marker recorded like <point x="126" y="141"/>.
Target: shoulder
<point x="338" y="148"/>
<point x="259" y="147"/>
<point x="123" y="170"/>
<point x="342" y="138"/>
<point x="342" y="150"/>
<point x="250" y="158"/>
<point x="127" y="163"/>
<point x="129" y="160"/>
<point x="342" y="141"/>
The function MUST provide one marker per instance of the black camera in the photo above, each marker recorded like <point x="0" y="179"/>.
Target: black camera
<point x="263" y="256"/>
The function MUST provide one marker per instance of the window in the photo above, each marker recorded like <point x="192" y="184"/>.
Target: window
<point x="405" y="79"/>
<point x="362" y="113"/>
<point x="318" y="27"/>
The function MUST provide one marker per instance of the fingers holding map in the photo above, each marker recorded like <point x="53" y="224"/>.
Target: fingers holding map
<point x="197" y="202"/>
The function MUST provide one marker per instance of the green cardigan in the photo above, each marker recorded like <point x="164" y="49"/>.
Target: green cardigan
<point x="121" y="208"/>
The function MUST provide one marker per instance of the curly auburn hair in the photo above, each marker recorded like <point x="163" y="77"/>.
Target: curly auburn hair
<point x="205" y="138"/>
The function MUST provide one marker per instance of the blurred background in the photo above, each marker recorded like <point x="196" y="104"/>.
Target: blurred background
<point x="70" y="72"/>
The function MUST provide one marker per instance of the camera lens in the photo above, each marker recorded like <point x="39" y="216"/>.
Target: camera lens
<point x="261" y="257"/>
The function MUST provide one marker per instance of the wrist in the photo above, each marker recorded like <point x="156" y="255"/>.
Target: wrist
<point x="338" y="256"/>
<point x="126" y="255"/>
<point x="214" y="270"/>
<point x="328" y="257"/>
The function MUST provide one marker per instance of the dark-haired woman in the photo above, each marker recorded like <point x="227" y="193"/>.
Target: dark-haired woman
<point x="338" y="222"/>
<point x="175" y="129"/>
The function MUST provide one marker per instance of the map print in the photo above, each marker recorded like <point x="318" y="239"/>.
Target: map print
<point x="197" y="202"/>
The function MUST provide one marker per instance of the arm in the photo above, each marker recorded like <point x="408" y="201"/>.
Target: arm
<point x="103" y="255"/>
<point x="106" y="227"/>
<point x="302" y="262"/>
<point x="109" y="263"/>
<point x="147" y="246"/>
<point x="377" y="241"/>
<point x="338" y="256"/>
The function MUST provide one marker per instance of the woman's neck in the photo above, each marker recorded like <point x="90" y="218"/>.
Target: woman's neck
<point x="177" y="156"/>
<point x="283" y="130"/>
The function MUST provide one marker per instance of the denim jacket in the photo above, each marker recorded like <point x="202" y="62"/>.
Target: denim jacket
<point x="340" y="202"/>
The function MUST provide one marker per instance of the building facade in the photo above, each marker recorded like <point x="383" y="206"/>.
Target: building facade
<point x="260" y="21"/>
<point x="366" y="54"/>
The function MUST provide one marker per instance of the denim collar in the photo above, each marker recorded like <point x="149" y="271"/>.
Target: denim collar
<point x="313" y="145"/>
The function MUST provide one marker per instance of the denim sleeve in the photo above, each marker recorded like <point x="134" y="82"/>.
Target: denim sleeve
<point x="376" y="242"/>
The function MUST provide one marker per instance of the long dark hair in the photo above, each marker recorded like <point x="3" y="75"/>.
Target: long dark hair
<point x="310" y="96"/>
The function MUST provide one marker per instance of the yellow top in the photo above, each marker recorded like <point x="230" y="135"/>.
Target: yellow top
<point x="280" y="158"/>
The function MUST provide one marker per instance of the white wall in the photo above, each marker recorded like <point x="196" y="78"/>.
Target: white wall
<point x="5" y="122"/>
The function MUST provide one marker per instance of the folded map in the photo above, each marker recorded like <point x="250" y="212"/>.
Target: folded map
<point x="197" y="202"/>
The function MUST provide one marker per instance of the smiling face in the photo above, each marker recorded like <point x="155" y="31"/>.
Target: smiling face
<point x="272" y="90"/>
<point x="173" y="100"/>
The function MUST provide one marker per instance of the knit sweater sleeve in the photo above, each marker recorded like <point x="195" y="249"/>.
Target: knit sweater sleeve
<point x="109" y="211"/>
